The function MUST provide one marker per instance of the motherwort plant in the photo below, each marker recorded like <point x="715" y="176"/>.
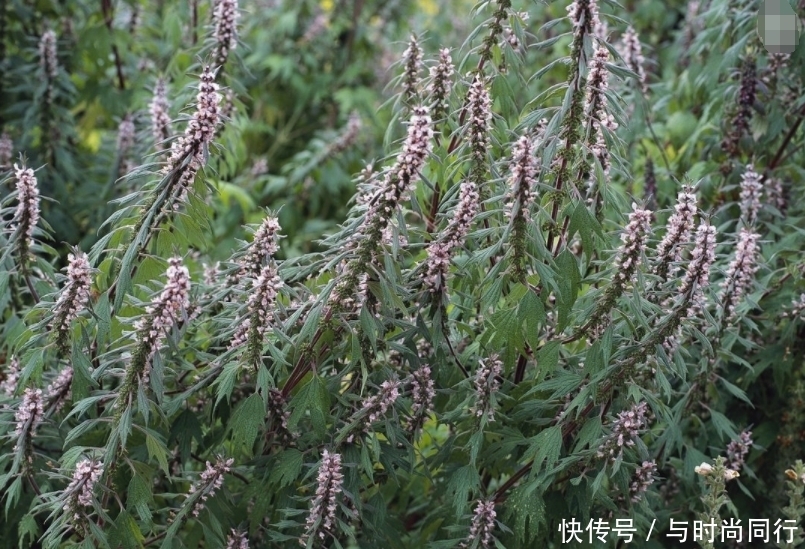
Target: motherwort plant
<point x="251" y="296"/>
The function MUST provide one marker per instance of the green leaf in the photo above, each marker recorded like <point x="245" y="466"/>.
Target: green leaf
<point x="548" y="358"/>
<point x="125" y="533"/>
<point x="139" y="496"/>
<point x="287" y="467"/>
<point x="27" y="528"/>
<point x="247" y="421"/>
<point x="545" y="448"/>
<point x="526" y="511"/>
<point x="157" y="449"/>
<point x="462" y="483"/>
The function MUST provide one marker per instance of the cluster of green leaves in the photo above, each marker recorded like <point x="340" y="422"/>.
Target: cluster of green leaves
<point x="519" y="296"/>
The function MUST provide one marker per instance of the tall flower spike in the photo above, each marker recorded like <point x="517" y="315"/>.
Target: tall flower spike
<point x="483" y="524"/>
<point x="628" y="259"/>
<point x="260" y="307"/>
<point x="584" y="15"/>
<point x="422" y="394"/>
<point x="47" y="55"/>
<point x="751" y="191"/>
<point x="739" y="124"/>
<point x="399" y="179"/>
<point x="626" y="427"/>
<point x="198" y="135"/>
<point x="596" y="108"/>
<point x="6" y="150"/>
<point x="323" y="508"/>
<point x="210" y="482"/>
<point x="522" y="181"/>
<point x="441" y="83"/>
<point x="28" y="417"/>
<point x="439" y="252"/>
<point x="697" y="276"/>
<point x="160" y="317"/>
<point x="633" y="56"/>
<point x="80" y="493"/>
<point x="160" y="116"/>
<point x="412" y="60"/>
<point x="377" y="405"/>
<point x="740" y="274"/>
<point x="9" y="384"/>
<point x="479" y="107"/>
<point x="226" y="37"/>
<point x="680" y="224"/>
<point x="263" y="247"/>
<point x="74" y="295"/>
<point x="60" y="390"/>
<point x="486" y="385"/>
<point x="26" y="215"/>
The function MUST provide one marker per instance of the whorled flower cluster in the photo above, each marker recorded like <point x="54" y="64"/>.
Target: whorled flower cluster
<point x="584" y="15"/>
<point x="625" y="429"/>
<point x="403" y="175"/>
<point x="60" y="390"/>
<point x="523" y="179"/>
<point x="210" y="481"/>
<point x="226" y="36"/>
<point x="81" y="490"/>
<point x="680" y="225"/>
<point x="164" y="313"/>
<point x="441" y="83"/>
<point x="738" y="449"/>
<point x="739" y="124"/>
<point x="47" y="55"/>
<point x="751" y="192"/>
<point x="160" y="115"/>
<point x="487" y="383"/>
<point x="75" y="294"/>
<point x="376" y="406"/>
<point x="260" y="307"/>
<point x="263" y="247"/>
<point x="412" y="63"/>
<point x="740" y="273"/>
<point x="6" y="150"/>
<point x="632" y="53"/>
<point x="324" y="506"/>
<point x="596" y="107"/>
<point x="26" y="215"/>
<point x="278" y="411"/>
<point x="697" y="275"/>
<point x="633" y="245"/>
<point x="422" y="392"/>
<point x="479" y="108"/>
<point x="9" y="385"/>
<point x="237" y="540"/>
<point x="187" y="152"/>
<point x="440" y="251"/>
<point x="28" y="417"/>
<point x="482" y="526"/>
<point x="642" y="479"/>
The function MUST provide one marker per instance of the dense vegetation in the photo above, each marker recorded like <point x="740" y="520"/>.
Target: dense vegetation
<point x="399" y="274"/>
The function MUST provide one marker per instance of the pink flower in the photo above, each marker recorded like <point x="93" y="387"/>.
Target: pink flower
<point x="323" y="508"/>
